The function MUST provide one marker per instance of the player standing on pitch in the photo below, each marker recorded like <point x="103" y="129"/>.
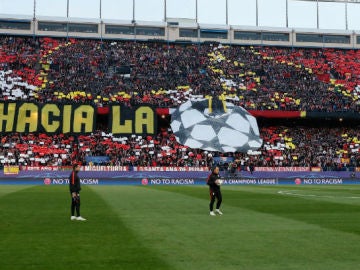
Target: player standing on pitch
<point x="214" y="182"/>
<point x="74" y="184"/>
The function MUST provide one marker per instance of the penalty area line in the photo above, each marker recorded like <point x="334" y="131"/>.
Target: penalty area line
<point x="292" y="193"/>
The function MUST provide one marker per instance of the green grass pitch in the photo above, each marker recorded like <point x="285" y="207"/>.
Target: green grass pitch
<point x="169" y="227"/>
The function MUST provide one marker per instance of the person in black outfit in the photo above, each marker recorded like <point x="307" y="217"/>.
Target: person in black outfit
<point x="74" y="184"/>
<point x="214" y="182"/>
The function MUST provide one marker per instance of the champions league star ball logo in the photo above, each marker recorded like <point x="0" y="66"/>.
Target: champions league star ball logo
<point x="47" y="181"/>
<point x="144" y="181"/>
<point x="215" y="125"/>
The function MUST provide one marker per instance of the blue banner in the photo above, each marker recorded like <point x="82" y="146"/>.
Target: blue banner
<point x="58" y="180"/>
<point x="36" y="177"/>
<point x="97" y="160"/>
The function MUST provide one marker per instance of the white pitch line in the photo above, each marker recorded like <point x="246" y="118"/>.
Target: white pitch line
<point x="282" y="192"/>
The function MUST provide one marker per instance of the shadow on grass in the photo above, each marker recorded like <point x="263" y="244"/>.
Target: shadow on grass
<point x="329" y="215"/>
<point x="38" y="233"/>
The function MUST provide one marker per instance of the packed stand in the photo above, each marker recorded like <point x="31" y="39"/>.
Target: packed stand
<point x="131" y="73"/>
<point x="328" y="148"/>
<point x="165" y="75"/>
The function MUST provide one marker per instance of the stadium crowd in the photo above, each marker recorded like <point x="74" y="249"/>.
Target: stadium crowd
<point x="261" y="78"/>
<point x="328" y="148"/>
<point x="166" y="75"/>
